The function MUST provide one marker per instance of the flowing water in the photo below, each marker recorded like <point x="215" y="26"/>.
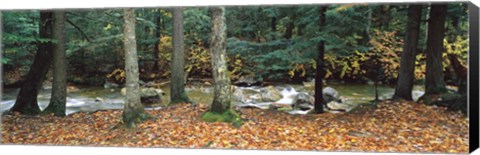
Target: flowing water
<point x="91" y="99"/>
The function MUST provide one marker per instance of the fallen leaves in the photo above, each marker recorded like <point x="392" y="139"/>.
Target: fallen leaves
<point x="391" y="127"/>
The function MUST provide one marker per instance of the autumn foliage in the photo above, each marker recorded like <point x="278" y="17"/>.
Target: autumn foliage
<point x="388" y="127"/>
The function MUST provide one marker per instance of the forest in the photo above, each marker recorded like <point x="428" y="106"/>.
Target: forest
<point x="339" y="77"/>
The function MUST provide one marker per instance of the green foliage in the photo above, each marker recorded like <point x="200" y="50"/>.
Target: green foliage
<point x="354" y="34"/>
<point x="20" y="35"/>
<point x="197" y="26"/>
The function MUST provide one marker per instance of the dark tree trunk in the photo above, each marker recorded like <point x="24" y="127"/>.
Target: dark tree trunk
<point x="26" y="102"/>
<point x="300" y="29"/>
<point x="461" y="72"/>
<point x="222" y="91"/>
<point x="385" y="17"/>
<point x="434" y="82"/>
<point x="274" y="24"/>
<point x="405" y="79"/>
<point x="274" y="27"/>
<point x="59" y="89"/>
<point x="133" y="111"/>
<point x="365" y="41"/>
<point x="158" y="35"/>
<point x="177" y="83"/>
<point x="319" y="71"/>
<point x="290" y="26"/>
<point x="1" y="64"/>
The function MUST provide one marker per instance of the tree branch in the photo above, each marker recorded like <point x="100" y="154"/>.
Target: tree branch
<point x="80" y="30"/>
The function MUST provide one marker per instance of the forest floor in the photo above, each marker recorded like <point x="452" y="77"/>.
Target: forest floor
<point x="388" y="127"/>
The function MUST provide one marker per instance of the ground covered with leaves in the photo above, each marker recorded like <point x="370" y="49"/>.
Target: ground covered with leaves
<point x="387" y="127"/>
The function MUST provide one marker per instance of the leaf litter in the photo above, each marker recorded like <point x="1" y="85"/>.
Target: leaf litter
<point x="389" y="127"/>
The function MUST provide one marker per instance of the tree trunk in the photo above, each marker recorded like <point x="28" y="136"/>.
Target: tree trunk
<point x="26" y="102"/>
<point x="177" y="83"/>
<point x="385" y="17"/>
<point x="274" y="27"/>
<point x="300" y="29"/>
<point x="59" y="89"/>
<point x="274" y="24"/>
<point x="133" y="111"/>
<point x="319" y="72"/>
<point x="365" y="41"/>
<point x="405" y="79"/>
<point x="222" y="91"/>
<point x="158" y="35"/>
<point x="1" y="64"/>
<point x="434" y="82"/>
<point x="290" y="26"/>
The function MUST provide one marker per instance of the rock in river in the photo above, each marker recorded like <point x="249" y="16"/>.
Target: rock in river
<point x="247" y="81"/>
<point x="149" y="95"/>
<point x="270" y="94"/>
<point x="303" y="101"/>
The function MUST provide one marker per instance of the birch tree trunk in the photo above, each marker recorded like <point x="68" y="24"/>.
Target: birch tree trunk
<point x="222" y="91"/>
<point x="133" y="111"/>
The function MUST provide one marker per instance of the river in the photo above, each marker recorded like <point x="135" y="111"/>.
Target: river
<point x="90" y="99"/>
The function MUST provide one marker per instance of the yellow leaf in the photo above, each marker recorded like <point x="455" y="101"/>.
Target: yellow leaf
<point x="331" y="130"/>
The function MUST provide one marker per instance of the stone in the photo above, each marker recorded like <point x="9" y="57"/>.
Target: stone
<point x="108" y="85"/>
<point x="303" y="101"/>
<point x="99" y="99"/>
<point x="270" y="94"/>
<point x="330" y="94"/>
<point x="148" y="95"/>
<point x="247" y="81"/>
<point x="331" y="99"/>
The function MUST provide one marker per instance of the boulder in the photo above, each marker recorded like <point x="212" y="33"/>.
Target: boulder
<point x="247" y="81"/>
<point x="330" y="94"/>
<point x="253" y="95"/>
<point x="149" y="95"/>
<point x="270" y="94"/>
<point x="331" y="99"/>
<point x="303" y="101"/>
<point x="108" y="84"/>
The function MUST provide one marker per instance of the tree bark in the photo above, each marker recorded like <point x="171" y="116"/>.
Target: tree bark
<point x="290" y="26"/>
<point x="158" y="35"/>
<point x="177" y="79"/>
<point x="1" y="64"/>
<point x="405" y="79"/>
<point x="59" y="89"/>
<point x="222" y="91"/>
<point x="274" y="24"/>
<point x="434" y="82"/>
<point x="319" y="71"/>
<point x="133" y="111"/>
<point x="26" y="102"/>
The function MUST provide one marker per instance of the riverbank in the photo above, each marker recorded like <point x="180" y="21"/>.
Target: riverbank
<point x="388" y="127"/>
